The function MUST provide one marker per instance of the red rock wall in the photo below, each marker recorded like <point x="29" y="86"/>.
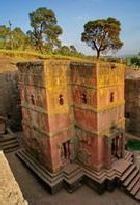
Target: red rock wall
<point x="47" y="123"/>
<point x="132" y="108"/>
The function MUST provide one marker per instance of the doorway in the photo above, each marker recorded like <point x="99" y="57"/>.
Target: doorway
<point x="65" y="152"/>
<point x="117" y="146"/>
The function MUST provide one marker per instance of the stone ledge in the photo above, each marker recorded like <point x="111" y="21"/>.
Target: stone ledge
<point x="74" y="175"/>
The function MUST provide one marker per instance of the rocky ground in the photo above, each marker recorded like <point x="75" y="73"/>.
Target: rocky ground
<point x="35" y="193"/>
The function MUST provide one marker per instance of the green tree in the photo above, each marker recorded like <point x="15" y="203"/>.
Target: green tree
<point x="102" y="35"/>
<point x="73" y="49"/>
<point x="19" y="39"/>
<point x="65" y="50"/>
<point x="45" y="28"/>
<point x="135" y="61"/>
<point x="4" y="36"/>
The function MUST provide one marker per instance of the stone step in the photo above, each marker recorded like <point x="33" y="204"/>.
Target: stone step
<point x="7" y="143"/>
<point x="136" y="188"/>
<point x="30" y="164"/>
<point x="11" y="149"/>
<point x="113" y="159"/>
<point x="102" y="175"/>
<point x="30" y="157"/>
<point x="7" y="138"/>
<point x="72" y="170"/>
<point x="101" y="172"/>
<point x="133" y="182"/>
<point x="121" y="166"/>
<point x="74" y="174"/>
<point x="128" y="156"/>
<point x="77" y="173"/>
<point x="131" y="177"/>
<point x="10" y="145"/>
<point x="52" y="181"/>
<point x="99" y="178"/>
<point x="37" y="171"/>
<point x="127" y="172"/>
<point x="129" y="159"/>
<point x="74" y="178"/>
<point x="111" y="174"/>
<point x="137" y="196"/>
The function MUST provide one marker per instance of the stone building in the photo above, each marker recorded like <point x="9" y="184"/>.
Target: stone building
<point x="132" y="102"/>
<point x="73" y="111"/>
<point x="73" y="123"/>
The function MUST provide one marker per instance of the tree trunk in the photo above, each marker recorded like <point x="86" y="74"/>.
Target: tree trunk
<point x="98" y="54"/>
<point x="39" y="47"/>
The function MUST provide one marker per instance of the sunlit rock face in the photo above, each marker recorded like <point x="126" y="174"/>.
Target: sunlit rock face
<point x="9" y="190"/>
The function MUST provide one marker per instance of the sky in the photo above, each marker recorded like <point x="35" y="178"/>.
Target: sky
<point x="73" y="14"/>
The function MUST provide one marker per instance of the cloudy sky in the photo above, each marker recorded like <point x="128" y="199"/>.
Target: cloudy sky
<point x="73" y="14"/>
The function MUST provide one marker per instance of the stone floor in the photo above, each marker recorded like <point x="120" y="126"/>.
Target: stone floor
<point x="34" y="192"/>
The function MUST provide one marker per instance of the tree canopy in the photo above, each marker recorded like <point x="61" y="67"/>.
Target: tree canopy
<point x="4" y="35"/>
<point x="45" y="28"/>
<point x="102" y="35"/>
<point x="19" y="39"/>
<point x="135" y="61"/>
<point x="12" y="38"/>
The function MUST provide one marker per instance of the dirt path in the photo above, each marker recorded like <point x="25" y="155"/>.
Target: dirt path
<point x="35" y="193"/>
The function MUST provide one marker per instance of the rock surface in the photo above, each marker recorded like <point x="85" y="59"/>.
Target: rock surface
<point x="9" y="102"/>
<point x="10" y="193"/>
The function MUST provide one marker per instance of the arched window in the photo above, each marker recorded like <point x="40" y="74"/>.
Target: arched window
<point x="84" y="98"/>
<point x="32" y="99"/>
<point x="61" y="99"/>
<point x="112" y="97"/>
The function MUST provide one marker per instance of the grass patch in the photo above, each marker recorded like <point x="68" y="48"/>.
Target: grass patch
<point x="35" y="55"/>
<point x="133" y="144"/>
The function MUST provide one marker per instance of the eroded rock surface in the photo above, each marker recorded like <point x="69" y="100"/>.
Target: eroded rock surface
<point x="10" y="193"/>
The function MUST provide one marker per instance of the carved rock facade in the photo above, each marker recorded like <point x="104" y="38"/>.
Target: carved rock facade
<point x="72" y="111"/>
